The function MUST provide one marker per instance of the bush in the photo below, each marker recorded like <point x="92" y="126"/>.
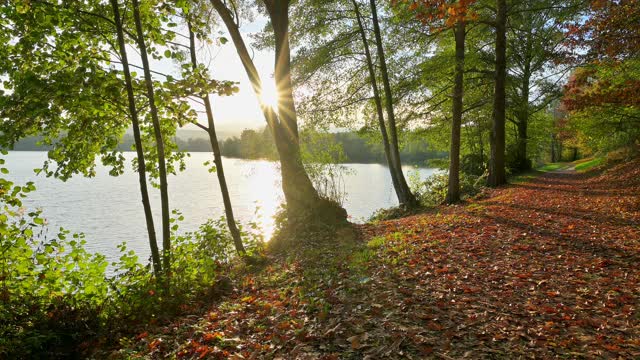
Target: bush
<point x="473" y="164"/>
<point x="433" y="191"/>
<point x="57" y="298"/>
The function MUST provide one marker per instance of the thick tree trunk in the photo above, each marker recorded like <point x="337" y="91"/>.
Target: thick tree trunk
<point x="301" y="197"/>
<point x="522" y="115"/>
<point x="217" y="157"/>
<point x="407" y="199"/>
<point x="296" y="185"/>
<point x="162" y="167"/>
<point x="135" y="124"/>
<point x="497" y="175"/>
<point x="453" y="191"/>
<point x="378" y="101"/>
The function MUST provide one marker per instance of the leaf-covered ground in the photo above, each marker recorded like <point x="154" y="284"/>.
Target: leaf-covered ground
<point x="544" y="268"/>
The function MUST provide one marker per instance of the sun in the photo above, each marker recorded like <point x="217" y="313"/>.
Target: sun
<point x="269" y="96"/>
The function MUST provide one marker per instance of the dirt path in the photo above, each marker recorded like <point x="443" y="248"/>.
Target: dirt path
<point x="542" y="269"/>
<point x="545" y="268"/>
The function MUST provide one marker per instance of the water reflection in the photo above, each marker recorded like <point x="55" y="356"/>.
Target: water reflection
<point x="107" y="209"/>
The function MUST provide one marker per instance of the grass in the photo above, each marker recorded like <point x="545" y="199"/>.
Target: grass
<point x="588" y="165"/>
<point x="552" y="167"/>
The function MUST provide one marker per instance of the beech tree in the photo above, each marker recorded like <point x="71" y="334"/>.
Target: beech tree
<point x="339" y="73"/>
<point x="301" y="197"/>
<point x="440" y="16"/>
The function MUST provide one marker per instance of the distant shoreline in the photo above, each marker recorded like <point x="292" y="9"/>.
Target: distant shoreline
<point x="409" y="163"/>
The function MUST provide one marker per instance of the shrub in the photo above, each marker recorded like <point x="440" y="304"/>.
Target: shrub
<point x="433" y="191"/>
<point x="55" y="295"/>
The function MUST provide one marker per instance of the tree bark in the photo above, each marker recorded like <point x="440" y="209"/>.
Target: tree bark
<point x="378" y="102"/>
<point x="135" y="124"/>
<point x="522" y="115"/>
<point x="497" y="175"/>
<point x="408" y="199"/>
<point x="162" y="167"/>
<point x="217" y="157"/>
<point x="453" y="191"/>
<point x="522" y="161"/>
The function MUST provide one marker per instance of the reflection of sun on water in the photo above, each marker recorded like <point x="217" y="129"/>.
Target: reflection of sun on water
<point x="264" y="189"/>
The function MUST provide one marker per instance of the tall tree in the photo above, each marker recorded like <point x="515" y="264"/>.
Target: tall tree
<point x="162" y="167"/>
<point x="213" y="139"/>
<point x="497" y="174"/>
<point x="135" y="124"/>
<point x="441" y="15"/>
<point x="377" y="98"/>
<point x="406" y="197"/>
<point x="535" y="43"/>
<point x="453" y="189"/>
<point x="301" y="197"/>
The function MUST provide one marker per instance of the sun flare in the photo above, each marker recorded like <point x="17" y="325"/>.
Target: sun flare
<point x="269" y="96"/>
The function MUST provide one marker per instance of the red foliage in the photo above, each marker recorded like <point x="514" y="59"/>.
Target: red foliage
<point x="440" y="14"/>
<point x="543" y="269"/>
<point x="610" y="32"/>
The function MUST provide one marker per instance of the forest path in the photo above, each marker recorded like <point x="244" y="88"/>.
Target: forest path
<point x="543" y="268"/>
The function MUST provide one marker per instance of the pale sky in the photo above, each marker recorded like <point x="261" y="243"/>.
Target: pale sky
<point x="240" y="111"/>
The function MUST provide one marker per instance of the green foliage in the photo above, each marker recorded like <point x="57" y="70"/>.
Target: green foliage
<point x="590" y="164"/>
<point x="322" y="157"/>
<point x="56" y="295"/>
<point x="433" y="190"/>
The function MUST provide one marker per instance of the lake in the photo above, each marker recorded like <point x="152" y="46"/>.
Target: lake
<point x="108" y="210"/>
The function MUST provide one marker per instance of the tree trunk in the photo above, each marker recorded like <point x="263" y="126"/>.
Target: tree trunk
<point x="135" y="124"/>
<point x="217" y="157"/>
<point x="522" y="115"/>
<point x="453" y="191"/>
<point x="296" y="185"/>
<point x="522" y="161"/>
<point x="301" y="197"/>
<point x="497" y="175"/>
<point x="162" y="168"/>
<point x="378" y="102"/>
<point x="407" y="199"/>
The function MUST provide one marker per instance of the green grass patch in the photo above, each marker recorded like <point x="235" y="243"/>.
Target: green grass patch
<point x="588" y="165"/>
<point x="552" y="167"/>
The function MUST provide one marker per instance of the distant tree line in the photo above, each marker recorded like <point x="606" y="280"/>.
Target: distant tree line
<point x="258" y="144"/>
<point x="357" y="148"/>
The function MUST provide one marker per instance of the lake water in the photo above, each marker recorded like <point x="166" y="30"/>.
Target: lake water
<point x="108" y="210"/>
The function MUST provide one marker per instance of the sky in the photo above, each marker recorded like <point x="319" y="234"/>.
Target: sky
<point x="240" y="111"/>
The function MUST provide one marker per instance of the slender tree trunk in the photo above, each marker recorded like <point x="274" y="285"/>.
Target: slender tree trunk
<point x="453" y="191"/>
<point x="408" y="199"/>
<point x="217" y="157"/>
<point x="378" y="102"/>
<point x="497" y="174"/>
<point x="135" y="124"/>
<point x="522" y="160"/>
<point x="162" y="167"/>
<point x="301" y="196"/>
